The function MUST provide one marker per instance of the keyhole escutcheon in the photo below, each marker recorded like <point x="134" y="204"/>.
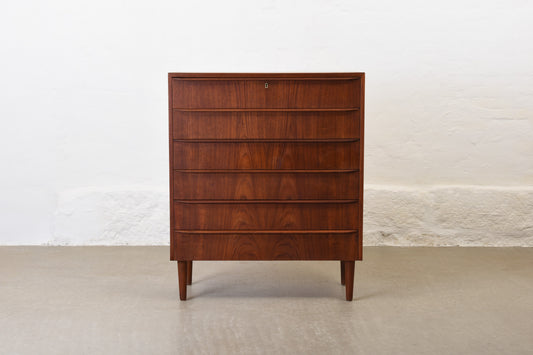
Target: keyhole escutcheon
<point x="266" y="85"/>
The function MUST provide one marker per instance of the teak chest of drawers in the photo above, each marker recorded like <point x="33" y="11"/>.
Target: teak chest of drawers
<point x="266" y="167"/>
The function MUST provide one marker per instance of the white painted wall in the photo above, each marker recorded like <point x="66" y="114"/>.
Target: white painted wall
<point x="449" y="149"/>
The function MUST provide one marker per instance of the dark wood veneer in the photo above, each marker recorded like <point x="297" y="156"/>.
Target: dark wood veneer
<point x="265" y="186"/>
<point x="266" y="166"/>
<point x="261" y="155"/>
<point x="265" y="124"/>
<point x="265" y="246"/>
<point x="237" y="93"/>
<point x="261" y="215"/>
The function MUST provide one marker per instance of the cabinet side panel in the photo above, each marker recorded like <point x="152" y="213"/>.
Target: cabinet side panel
<point x="361" y="165"/>
<point x="171" y="169"/>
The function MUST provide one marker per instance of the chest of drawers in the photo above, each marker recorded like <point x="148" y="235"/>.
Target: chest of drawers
<point x="266" y="167"/>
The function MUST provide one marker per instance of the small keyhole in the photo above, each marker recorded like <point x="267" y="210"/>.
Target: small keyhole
<point x="266" y="85"/>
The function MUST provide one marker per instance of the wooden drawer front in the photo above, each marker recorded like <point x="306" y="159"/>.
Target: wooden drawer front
<point x="265" y="125"/>
<point x="238" y="93"/>
<point x="263" y="246"/>
<point x="222" y="155"/>
<point x="266" y="186"/>
<point x="260" y="216"/>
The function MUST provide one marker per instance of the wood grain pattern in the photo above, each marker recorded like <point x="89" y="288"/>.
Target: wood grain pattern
<point x="257" y="246"/>
<point x="265" y="186"/>
<point x="251" y="216"/>
<point x="296" y="155"/>
<point x="265" y="125"/>
<point x="262" y="173"/>
<point x="236" y="93"/>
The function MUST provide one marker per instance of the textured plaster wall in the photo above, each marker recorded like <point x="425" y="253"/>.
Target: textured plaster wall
<point x="449" y="115"/>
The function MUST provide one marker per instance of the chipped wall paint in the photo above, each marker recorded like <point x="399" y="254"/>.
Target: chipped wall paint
<point x="449" y="110"/>
<point x="448" y="216"/>
<point x="394" y="215"/>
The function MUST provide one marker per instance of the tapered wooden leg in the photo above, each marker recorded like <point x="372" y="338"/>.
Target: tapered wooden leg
<point x="349" y="268"/>
<point x="342" y="272"/>
<point x="182" y="279"/>
<point x="189" y="272"/>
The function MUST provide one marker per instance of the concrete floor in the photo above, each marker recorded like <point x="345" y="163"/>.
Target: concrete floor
<point x="124" y="300"/>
